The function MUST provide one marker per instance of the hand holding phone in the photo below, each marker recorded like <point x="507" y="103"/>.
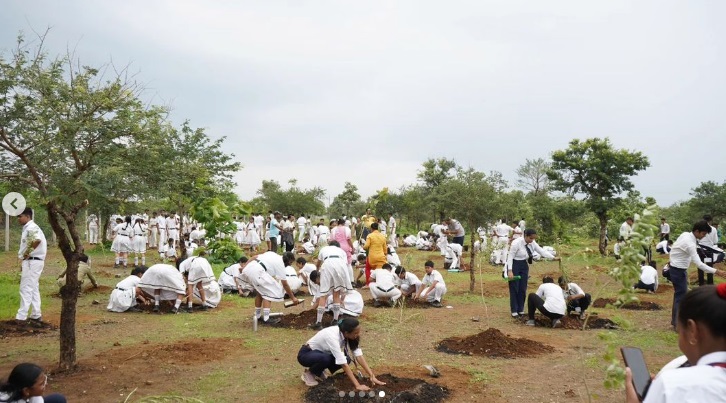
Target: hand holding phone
<point x="634" y="360"/>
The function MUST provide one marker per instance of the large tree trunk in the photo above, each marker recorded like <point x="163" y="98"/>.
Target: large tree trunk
<point x="602" y="245"/>
<point x="472" y="276"/>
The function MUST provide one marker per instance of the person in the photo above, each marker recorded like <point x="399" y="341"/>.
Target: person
<point x="323" y="233"/>
<point x="366" y="221"/>
<point x="342" y="235"/>
<point x="293" y="280"/>
<point x="351" y="304"/>
<point x="665" y="230"/>
<point x="153" y="231"/>
<point x="455" y="229"/>
<point x="334" y="279"/>
<point x="383" y="286"/>
<point x="409" y="240"/>
<point x="549" y="300"/>
<point x="274" y="231"/>
<point x="92" y="229"/>
<point x="648" y="277"/>
<point x="163" y="282"/>
<point x="709" y="248"/>
<point x="251" y="235"/>
<point x="167" y="251"/>
<point x="84" y="270"/>
<point x="263" y="273"/>
<point x="626" y="228"/>
<point x="226" y="280"/>
<point x="330" y="349"/>
<point x="304" y="270"/>
<point x="435" y="285"/>
<point x="362" y="267"/>
<point x="301" y="224"/>
<point x="408" y="282"/>
<point x="702" y="338"/>
<point x="516" y="232"/>
<point x="619" y="245"/>
<point x="577" y="300"/>
<point x="522" y="225"/>
<point x="376" y="245"/>
<point x="172" y="227"/>
<point x="392" y="226"/>
<point x="288" y="233"/>
<point x="139" y="241"/>
<point x="121" y="245"/>
<point x="518" y="261"/>
<point x="452" y="259"/>
<point x="33" y="248"/>
<point x="26" y="383"/>
<point x="683" y="253"/>
<point x="123" y="298"/>
<point x="664" y="247"/>
<point x="501" y="243"/>
<point x="307" y="246"/>
<point x="198" y="273"/>
<point x="392" y="257"/>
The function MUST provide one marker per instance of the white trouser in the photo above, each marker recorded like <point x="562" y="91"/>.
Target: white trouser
<point x="453" y="259"/>
<point x="500" y="249"/>
<point x="384" y="292"/>
<point x="30" y="289"/>
<point x="300" y="233"/>
<point x="93" y="234"/>
<point x="436" y="294"/>
<point x="153" y="238"/>
<point x="163" y="238"/>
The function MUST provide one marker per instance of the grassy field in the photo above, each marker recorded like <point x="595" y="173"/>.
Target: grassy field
<point x="216" y="357"/>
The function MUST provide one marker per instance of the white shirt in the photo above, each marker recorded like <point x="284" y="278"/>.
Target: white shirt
<point x="663" y="245"/>
<point x="625" y="230"/>
<point x="123" y="229"/>
<point x="384" y="279"/>
<point x="551" y="293"/>
<point x="522" y="225"/>
<point x="393" y="259"/>
<point x="409" y="279"/>
<point x="323" y="230"/>
<point x="665" y="228"/>
<point x="648" y="275"/>
<point x="171" y="223"/>
<point x="288" y="225"/>
<point x="409" y="240"/>
<point x="700" y="383"/>
<point x="301" y="222"/>
<point x="328" y="251"/>
<point x="502" y="230"/>
<point x="518" y="251"/>
<point x="437" y="229"/>
<point x="392" y="224"/>
<point x="35" y="399"/>
<point x="259" y="220"/>
<point x="273" y="264"/>
<point x="434" y="276"/>
<point x="309" y="247"/>
<point x="683" y="253"/>
<point x="456" y="227"/>
<point x="572" y="290"/>
<point x="129" y="283"/>
<point x="307" y="269"/>
<point x="31" y="232"/>
<point x="161" y="222"/>
<point x="453" y="249"/>
<point x="330" y="340"/>
<point x="517" y="232"/>
<point x="711" y="239"/>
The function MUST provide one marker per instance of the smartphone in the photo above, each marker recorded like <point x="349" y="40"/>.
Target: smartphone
<point x="633" y="358"/>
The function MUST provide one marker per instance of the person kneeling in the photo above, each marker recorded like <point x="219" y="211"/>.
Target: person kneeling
<point x="577" y="300"/>
<point x="435" y="285"/>
<point x="549" y="300"/>
<point x="330" y="350"/>
<point x="648" y="277"/>
<point x="383" y="286"/>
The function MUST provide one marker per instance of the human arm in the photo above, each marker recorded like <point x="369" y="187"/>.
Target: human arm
<point x="545" y="254"/>
<point x="578" y="292"/>
<point x="89" y="274"/>
<point x="362" y="361"/>
<point x="289" y="292"/>
<point x="701" y="266"/>
<point x="60" y="276"/>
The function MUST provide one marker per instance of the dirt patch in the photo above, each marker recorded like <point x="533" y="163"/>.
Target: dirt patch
<point x="408" y="303"/>
<point x="11" y="328"/>
<point x="637" y="305"/>
<point x="573" y="322"/>
<point x="101" y="289"/>
<point x="338" y="388"/>
<point x="303" y="319"/>
<point x="493" y="343"/>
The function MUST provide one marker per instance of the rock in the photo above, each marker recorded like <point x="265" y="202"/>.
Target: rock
<point x="118" y="276"/>
<point x="95" y="302"/>
<point x="149" y="382"/>
<point x="116" y="344"/>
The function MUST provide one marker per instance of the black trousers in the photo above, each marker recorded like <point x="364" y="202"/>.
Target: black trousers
<point x="534" y="302"/>
<point x="705" y="278"/>
<point x="641" y="285"/>
<point x="582" y="303"/>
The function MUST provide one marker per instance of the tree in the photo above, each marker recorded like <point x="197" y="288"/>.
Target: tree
<point x="595" y="169"/>
<point x="346" y="202"/>
<point x="294" y="200"/>
<point x="434" y="174"/>
<point x="533" y="176"/>
<point x="708" y="198"/>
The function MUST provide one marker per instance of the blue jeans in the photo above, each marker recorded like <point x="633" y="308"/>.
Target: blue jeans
<point x="679" y="278"/>
<point x="518" y="288"/>
<point x="317" y="361"/>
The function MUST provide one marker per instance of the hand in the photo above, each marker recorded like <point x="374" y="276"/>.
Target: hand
<point x="295" y="300"/>
<point x="630" y="395"/>
<point x="510" y="274"/>
<point x="375" y="381"/>
<point x="363" y="388"/>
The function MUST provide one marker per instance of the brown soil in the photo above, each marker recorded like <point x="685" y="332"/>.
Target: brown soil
<point x="637" y="305"/>
<point x="10" y="328"/>
<point x="573" y="322"/>
<point x="493" y="343"/>
<point x="338" y="388"/>
<point x="303" y="319"/>
<point x="410" y="303"/>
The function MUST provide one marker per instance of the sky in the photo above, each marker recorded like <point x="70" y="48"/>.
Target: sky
<point x="333" y="91"/>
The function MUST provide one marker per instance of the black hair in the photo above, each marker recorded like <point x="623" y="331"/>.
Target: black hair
<point x="243" y="259"/>
<point x="629" y="219"/>
<point x="314" y="275"/>
<point x="138" y="270"/>
<point x="692" y="307"/>
<point x="386" y="266"/>
<point x="530" y="232"/>
<point x="652" y="264"/>
<point x="429" y="264"/>
<point x="561" y="280"/>
<point x="374" y="226"/>
<point x="288" y="258"/>
<point x="83" y="258"/>
<point x="347" y="325"/>
<point x="22" y="376"/>
<point x="702" y="226"/>
<point x="28" y="212"/>
<point x="128" y="219"/>
<point x="341" y="221"/>
<point x="707" y="218"/>
<point x="361" y="257"/>
<point x="547" y="279"/>
<point x="334" y="243"/>
<point x="179" y="261"/>
<point x="301" y="260"/>
<point x="400" y="270"/>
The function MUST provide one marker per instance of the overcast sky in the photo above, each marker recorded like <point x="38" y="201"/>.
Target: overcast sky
<point x="365" y="91"/>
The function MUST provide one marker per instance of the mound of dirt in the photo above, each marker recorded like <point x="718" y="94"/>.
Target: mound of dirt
<point x="493" y="343"/>
<point x="101" y="289"/>
<point x="573" y="322"/>
<point x="11" y="328"/>
<point x="338" y="389"/>
<point x="303" y="319"/>
<point x="408" y="303"/>
<point x="179" y="353"/>
<point x="637" y="305"/>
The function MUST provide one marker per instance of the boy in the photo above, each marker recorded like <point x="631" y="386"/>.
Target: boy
<point x="435" y="285"/>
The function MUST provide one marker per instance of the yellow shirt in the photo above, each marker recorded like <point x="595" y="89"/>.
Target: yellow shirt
<point x="377" y="246"/>
<point x="367" y="220"/>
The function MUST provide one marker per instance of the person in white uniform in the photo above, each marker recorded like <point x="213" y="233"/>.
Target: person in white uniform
<point x="665" y="230"/>
<point x="648" y="277"/>
<point x="351" y="304"/>
<point x="124" y="297"/>
<point x="161" y="227"/>
<point x="139" y="241"/>
<point x="452" y="259"/>
<point x="664" y="247"/>
<point x="292" y="278"/>
<point x="172" y="230"/>
<point x="121" y="245"/>
<point x="226" y="280"/>
<point x="549" y="300"/>
<point x="163" y="282"/>
<point x="198" y="273"/>
<point x="409" y="240"/>
<point x="435" y="285"/>
<point x="702" y="338"/>
<point x="92" y="229"/>
<point x="383" y="286"/>
<point x="153" y="231"/>
<point x="266" y="273"/>
<point x="709" y="246"/>
<point x="392" y="257"/>
<point x="33" y="248"/>
<point x="577" y="300"/>
<point x="408" y="282"/>
<point x="519" y="258"/>
<point x="626" y="228"/>
<point x="301" y="227"/>
<point x="501" y="245"/>
<point x="334" y="279"/>
<point x="305" y="269"/>
<point x="392" y="229"/>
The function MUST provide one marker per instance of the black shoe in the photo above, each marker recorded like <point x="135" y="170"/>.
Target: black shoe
<point x="436" y="304"/>
<point x="204" y="308"/>
<point x="134" y="309"/>
<point x="271" y="321"/>
<point x="333" y="322"/>
<point x="175" y="311"/>
<point x="376" y="303"/>
<point x="156" y="309"/>
<point x="316" y="326"/>
<point x="189" y="309"/>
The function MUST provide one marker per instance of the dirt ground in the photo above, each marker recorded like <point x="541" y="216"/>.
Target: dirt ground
<point x="216" y="356"/>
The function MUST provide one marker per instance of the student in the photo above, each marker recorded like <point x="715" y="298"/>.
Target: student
<point x="139" y="241"/>
<point x="263" y="274"/>
<point x="408" y="282"/>
<point x="172" y="228"/>
<point x="664" y="247"/>
<point x="665" y="230"/>
<point x="275" y="228"/>
<point x="455" y="229"/>
<point x="618" y="247"/>
<point x="549" y="300"/>
<point x="577" y="300"/>
<point x="163" y="282"/>
<point x="161" y="227"/>
<point x="383" y="286"/>
<point x="26" y="383"/>
<point x="361" y="267"/>
<point x="307" y="246"/>
<point x="452" y="259"/>
<point x="518" y="260"/>
<point x="331" y="349"/>
<point x="301" y="226"/>
<point x="648" y="277"/>
<point x="351" y="304"/>
<point x="709" y="246"/>
<point x="702" y="338"/>
<point x="93" y="229"/>
<point x="376" y="245"/>
<point x="226" y="280"/>
<point x="292" y="278"/>
<point x="392" y="257"/>
<point x="198" y="273"/>
<point x="84" y="270"/>
<point x="435" y="285"/>
<point x="683" y="253"/>
<point x="33" y="248"/>
<point x="121" y="245"/>
<point x="392" y="226"/>
<point x="626" y="229"/>
<point x="409" y="240"/>
<point x="167" y="251"/>
<point x="123" y="298"/>
<point x="501" y="244"/>
<point x="304" y="270"/>
<point x="251" y="235"/>
<point x="334" y="279"/>
<point x="516" y="232"/>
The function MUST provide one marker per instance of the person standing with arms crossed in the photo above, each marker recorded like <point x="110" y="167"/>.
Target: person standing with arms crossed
<point x="518" y="261"/>
<point x="33" y="248"/>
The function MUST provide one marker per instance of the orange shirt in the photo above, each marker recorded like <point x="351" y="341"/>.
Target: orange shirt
<point x="377" y="247"/>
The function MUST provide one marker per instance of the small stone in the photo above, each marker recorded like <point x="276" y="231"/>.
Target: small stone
<point x="118" y="276"/>
<point x="95" y="302"/>
<point x="116" y="344"/>
<point x="149" y="382"/>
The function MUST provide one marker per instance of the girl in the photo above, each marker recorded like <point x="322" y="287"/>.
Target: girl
<point x="252" y="238"/>
<point x="122" y="233"/>
<point x="139" y="241"/>
<point x="330" y="349"/>
<point x="26" y="383"/>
